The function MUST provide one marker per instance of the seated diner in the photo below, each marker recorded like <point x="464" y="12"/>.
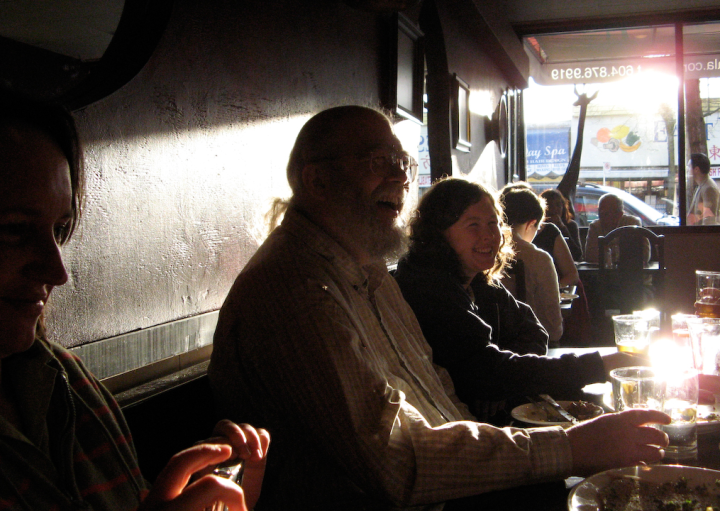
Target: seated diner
<point x="316" y="343"/>
<point x="64" y="443"/>
<point x="450" y="276"/>
<point x="524" y="212"/>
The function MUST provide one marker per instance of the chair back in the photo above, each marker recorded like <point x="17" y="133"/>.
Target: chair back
<point x="631" y="243"/>
<point x="628" y="284"/>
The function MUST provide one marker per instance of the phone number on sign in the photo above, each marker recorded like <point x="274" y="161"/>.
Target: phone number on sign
<point x="579" y="73"/>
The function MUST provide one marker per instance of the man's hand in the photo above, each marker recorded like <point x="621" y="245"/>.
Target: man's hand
<point x="172" y="492"/>
<point x="617" y="440"/>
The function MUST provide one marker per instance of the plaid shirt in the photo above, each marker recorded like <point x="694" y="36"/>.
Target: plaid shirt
<point x="75" y="451"/>
<point x="330" y="358"/>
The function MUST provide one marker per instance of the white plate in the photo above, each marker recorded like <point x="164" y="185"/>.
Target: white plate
<point x="585" y="496"/>
<point x="568" y="296"/>
<point x="530" y="414"/>
<point x="704" y="424"/>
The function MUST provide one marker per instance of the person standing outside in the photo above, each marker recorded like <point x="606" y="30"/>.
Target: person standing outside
<point x="705" y="206"/>
<point x="316" y="344"/>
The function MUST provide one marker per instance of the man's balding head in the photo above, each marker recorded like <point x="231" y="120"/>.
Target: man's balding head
<point x="610" y="210"/>
<point x="333" y="133"/>
<point x="347" y="176"/>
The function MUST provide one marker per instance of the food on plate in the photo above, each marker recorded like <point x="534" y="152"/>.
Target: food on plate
<point x="535" y="414"/>
<point x="710" y="417"/>
<point x="630" y="493"/>
<point x="582" y="410"/>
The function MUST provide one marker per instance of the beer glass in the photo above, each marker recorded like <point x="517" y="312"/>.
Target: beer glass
<point x="707" y="294"/>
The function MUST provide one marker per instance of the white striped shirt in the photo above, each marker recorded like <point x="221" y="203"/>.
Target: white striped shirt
<point x="330" y="358"/>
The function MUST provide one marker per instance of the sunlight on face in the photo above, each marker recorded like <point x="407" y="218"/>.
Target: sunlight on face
<point x="475" y="237"/>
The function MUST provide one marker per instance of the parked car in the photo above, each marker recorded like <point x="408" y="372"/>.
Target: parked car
<point x="586" y="206"/>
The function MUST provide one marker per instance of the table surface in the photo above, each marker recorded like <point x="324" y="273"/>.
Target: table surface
<point x="553" y="496"/>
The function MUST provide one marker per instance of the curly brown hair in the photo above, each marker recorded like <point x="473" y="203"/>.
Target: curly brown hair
<point x="440" y="207"/>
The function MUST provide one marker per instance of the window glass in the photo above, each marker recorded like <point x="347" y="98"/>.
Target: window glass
<point x="702" y="132"/>
<point x="625" y="148"/>
<point x="612" y="96"/>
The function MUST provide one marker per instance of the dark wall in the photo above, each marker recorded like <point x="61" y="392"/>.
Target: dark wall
<point x="183" y="160"/>
<point x="464" y="47"/>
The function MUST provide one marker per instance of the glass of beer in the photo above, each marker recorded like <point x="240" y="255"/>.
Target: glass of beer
<point x="680" y="330"/>
<point x="632" y="333"/>
<point x="707" y="294"/>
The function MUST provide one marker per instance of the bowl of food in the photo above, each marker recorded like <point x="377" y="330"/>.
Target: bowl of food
<point x="543" y="415"/>
<point x="648" y="488"/>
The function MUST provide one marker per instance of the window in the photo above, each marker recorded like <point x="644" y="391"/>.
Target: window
<point x="620" y="89"/>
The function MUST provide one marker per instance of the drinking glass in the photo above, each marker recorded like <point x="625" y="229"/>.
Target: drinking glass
<point x="705" y="336"/>
<point x="651" y="315"/>
<point x="681" y="333"/>
<point x="707" y="294"/>
<point x="681" y="404"/>
<point x="632" y="333"/>
<point x="232" y="470"/>
<point x="612" y="254"/>
<point x="637" y="387"/>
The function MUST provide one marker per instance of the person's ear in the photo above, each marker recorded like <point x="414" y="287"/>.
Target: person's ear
<point x="315" y="180"/>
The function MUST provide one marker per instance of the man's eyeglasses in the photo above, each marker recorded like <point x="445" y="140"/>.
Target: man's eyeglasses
<point x="384" y="163"/>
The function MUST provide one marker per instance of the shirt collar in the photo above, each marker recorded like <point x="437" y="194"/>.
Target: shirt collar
<point x="370" y="276"/>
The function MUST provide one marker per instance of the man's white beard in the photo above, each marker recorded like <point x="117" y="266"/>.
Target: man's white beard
<point x="363" y="225"/>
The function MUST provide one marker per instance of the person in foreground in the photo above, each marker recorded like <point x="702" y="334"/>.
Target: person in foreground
<point x="317" y="343"/>
<point x="459" y="248"/>
<point x="610" y="217"/>
<point x="705" y="205"/>
<point x="63" y="441"/>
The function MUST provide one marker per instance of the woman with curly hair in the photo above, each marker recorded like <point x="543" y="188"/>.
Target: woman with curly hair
<point x="459" y="247"/>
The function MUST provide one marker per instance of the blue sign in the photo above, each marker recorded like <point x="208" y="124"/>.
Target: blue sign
<point x="548" y="146"/>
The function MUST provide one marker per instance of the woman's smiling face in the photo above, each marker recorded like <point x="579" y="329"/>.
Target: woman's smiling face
<point x="476" y="237"/>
